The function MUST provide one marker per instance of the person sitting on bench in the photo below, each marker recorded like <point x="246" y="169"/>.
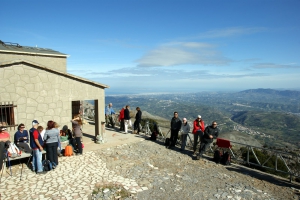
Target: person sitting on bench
<point x="4" y="139"/>
<point x="21" y="139"/>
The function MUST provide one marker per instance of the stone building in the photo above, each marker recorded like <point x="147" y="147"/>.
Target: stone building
<point x="35" y="85"/>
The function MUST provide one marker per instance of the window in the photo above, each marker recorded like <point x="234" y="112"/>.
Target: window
<point x="7" y="117"/>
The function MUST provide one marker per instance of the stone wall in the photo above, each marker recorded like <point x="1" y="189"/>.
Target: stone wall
<point x="52" y="62"/>
<point x="43" y="95"/>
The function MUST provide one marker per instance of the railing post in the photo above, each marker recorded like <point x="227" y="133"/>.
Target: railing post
<point x="248" y="155"/>
<point x="276" y="161"/>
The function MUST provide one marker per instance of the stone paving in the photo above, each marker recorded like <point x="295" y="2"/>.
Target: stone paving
<point x="74" y="178"/>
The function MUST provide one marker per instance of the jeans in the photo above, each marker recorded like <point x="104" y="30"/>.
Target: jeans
<point x="51" y="152"/>
<point x="203" y="147"/>
<point x="183" y="141"/>
<point x="198" y="134"/>
<point x="37" y="160"/>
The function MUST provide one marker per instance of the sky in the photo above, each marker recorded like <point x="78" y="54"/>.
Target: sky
<point x="164" y="46"/>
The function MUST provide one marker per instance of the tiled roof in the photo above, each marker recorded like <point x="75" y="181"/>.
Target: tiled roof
<point x="16" y="48"/>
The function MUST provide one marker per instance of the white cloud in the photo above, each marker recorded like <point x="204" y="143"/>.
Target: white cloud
<point x="275" y="66"/>
<point x="230" y="32"/>
<point x="183" y="53"/>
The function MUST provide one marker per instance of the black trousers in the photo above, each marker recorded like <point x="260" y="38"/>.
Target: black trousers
<point x="137" y="126"/>
<point x="122" y="125"/>
<point x="24" y="147"/>
<point x="197" y="136"/>
<point x="2" y="153"/>
<point x="79" y="145"/>
<point x="51" y="152"/>
<point x="174" y="137"/>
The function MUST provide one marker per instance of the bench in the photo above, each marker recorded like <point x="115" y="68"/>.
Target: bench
<point x="23" y="155"/>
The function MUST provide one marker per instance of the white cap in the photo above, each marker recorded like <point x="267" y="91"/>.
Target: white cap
<point x="199" y="116"/>
<point x="184" y="119"/>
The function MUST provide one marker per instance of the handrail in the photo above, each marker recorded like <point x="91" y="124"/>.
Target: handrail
<point x="289" y="160"/>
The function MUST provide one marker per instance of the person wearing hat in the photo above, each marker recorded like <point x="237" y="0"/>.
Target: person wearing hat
<point x="198" y="130"/>
<point x="36" y="144"/>
<point x="185" y="129"/>
<point x="4" y="138"/>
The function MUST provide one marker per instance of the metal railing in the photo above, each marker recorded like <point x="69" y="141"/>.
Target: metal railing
<point x="276" y="160"/>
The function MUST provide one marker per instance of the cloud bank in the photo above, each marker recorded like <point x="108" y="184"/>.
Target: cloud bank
<point x="183" y="53"/>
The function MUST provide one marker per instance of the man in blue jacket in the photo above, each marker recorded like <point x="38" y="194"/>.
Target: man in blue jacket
<point x="21" y="139"/>
<point x="109" y="111"/>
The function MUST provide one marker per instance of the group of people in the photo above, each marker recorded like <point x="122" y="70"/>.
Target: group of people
<point x="200" y="132"/>
<point x="124" y="118"/>
<point x="39" y="139"/>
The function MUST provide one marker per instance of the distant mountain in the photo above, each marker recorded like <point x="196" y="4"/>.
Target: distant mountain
<point x="283" y="127"/>
<point x="261" y="91"/>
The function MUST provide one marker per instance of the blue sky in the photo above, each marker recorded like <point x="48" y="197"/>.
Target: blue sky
<point x="165" y="46"/>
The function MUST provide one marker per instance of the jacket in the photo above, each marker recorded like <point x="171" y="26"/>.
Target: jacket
<point x="121" y="116"/>
<point x="126" y="114"/>
<point x="52" y="136"/>
<point x="185" y="128"/>
<point x="210" y="131"/>
<point x="197" y="127"/>
<point x="138" y="116"/>
<point x="32" y="142"/>
<point x="175" y="124"/>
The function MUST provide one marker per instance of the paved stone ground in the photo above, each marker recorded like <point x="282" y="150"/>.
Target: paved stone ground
<point x="149" y="171"/>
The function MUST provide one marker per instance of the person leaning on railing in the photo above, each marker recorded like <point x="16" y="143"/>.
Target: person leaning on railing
<point x="210" y="133"/>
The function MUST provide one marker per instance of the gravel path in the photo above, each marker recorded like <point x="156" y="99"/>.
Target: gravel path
<point x="171" y="174"/>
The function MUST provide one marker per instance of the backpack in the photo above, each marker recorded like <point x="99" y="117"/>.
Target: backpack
<point x="226" y="159"/>
<point x="68" y="150"/>
<point x="167" y="142"/>
<point x="153" y="136"/>
<point x="47" y="165"/>
<point x="218" y="156"/>
<point x="13" y="150"/>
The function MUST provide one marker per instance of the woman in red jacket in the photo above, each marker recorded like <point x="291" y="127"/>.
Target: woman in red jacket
<point x="197" y="131"/>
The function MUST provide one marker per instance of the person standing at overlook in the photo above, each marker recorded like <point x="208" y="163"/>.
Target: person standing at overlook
<point x="127" y="121"/>
<point x="185" y="129"/>
<point x="109" y="111"/>
<point x="121" y="119"/>
<point x="138" y="119"/>
<point x="175" y="127"/>
<point x="198" y="130"/>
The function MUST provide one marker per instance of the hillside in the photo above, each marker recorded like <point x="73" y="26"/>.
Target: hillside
<point x="258" y="116"/>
